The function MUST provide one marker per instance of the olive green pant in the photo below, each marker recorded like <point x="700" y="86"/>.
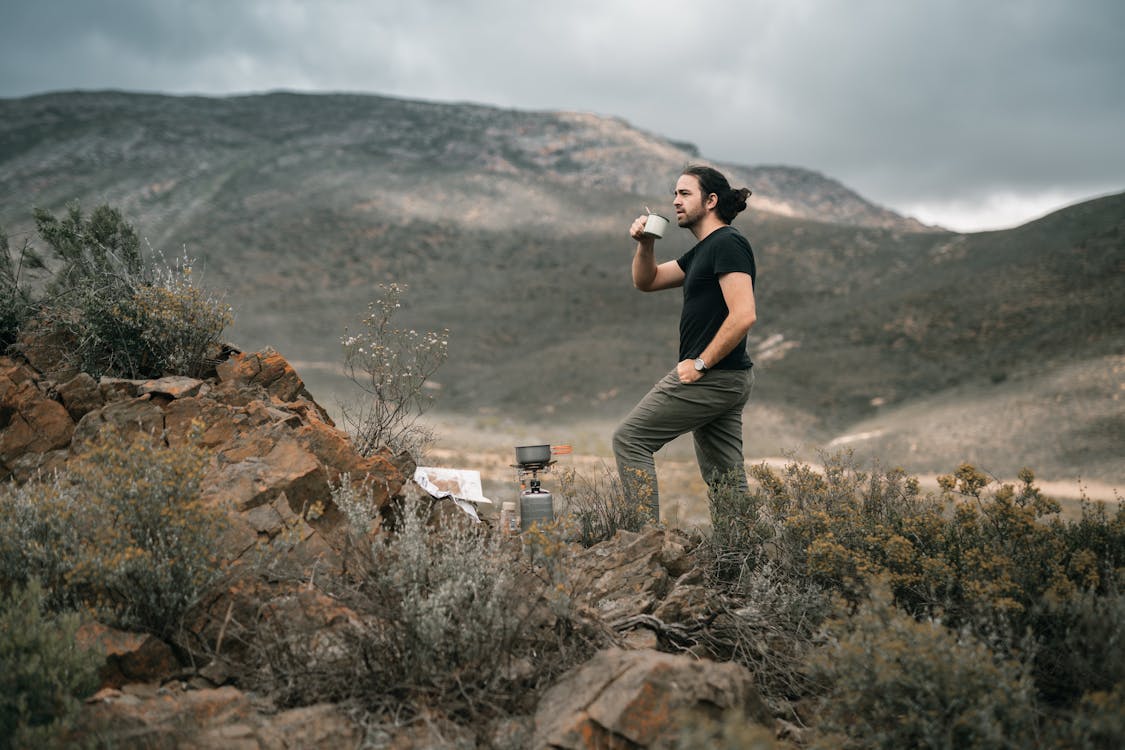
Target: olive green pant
<point x="710" y="409"/>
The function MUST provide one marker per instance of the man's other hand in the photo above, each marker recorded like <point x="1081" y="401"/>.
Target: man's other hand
<point x="687" y="372"/>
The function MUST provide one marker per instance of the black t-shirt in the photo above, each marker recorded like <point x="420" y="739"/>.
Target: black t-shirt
<point x="725" y="250"/>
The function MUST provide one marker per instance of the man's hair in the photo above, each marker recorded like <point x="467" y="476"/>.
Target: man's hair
<point x="732" y="201"/>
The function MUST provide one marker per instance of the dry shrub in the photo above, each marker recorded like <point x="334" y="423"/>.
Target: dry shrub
<point x="770" y="623"/>
<point x="106" y="311"/>
<point x="122" y="532"/>
<point x="16" y="297"/>
<point x="391" y="367"/>
<point x="598" y="506"/>
<point x="449" y="617"/>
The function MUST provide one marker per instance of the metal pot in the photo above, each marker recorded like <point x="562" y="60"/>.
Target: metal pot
<point x="533" y="454"/>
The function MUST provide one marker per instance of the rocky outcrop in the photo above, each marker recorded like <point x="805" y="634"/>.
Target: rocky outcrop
<point x="276" y="451"/>
<point x="623" y="700"/>
<point x="638" y="695"/>
<point x="35" y="429"/>
<point x="645" y="585"/>
<point x="275" y="454"/>
<point x="128" y="657"/>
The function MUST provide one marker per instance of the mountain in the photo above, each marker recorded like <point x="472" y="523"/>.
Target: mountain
<point x="510" y="229"/>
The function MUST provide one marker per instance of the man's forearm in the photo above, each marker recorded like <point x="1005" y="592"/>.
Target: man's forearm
<point x="644" y="265"/>
<point x="730" y="333"/>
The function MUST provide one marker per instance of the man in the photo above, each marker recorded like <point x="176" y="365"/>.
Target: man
<point x="706" y="392"/>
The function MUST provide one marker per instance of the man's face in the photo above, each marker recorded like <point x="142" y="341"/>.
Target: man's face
<point x="689" y="201"/>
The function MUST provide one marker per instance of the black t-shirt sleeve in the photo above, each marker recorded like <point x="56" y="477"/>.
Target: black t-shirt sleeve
<point x="734" y="256"/>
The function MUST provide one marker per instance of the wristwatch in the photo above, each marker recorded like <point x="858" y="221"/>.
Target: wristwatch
<point x="700" y="365"/>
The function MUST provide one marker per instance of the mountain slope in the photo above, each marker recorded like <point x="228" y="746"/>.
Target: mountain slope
<point x="510" y="229"/>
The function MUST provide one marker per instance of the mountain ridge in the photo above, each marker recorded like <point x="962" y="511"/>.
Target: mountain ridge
<point x="510" y="229"/>
<point x="472" y="133"/>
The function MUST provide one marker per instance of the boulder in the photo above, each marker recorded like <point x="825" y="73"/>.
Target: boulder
<point x="135" y="416"/>
<point x="129" y="657"/>
<point x="118" y="389"/>
<point x="283" y="466"/>
<point x="17" y="370"/>
<point x="211" y="423"/>
<point x="174" y="386"/>
<point x="31" y="423"/>
<point x="81" y="395"/>
<point x="639" y="699"/>
<point x="33" y="465"/>
<point x="623" y="576"/>
<point x="267" y="369"/>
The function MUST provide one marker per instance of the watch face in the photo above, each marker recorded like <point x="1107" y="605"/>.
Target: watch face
<point x="699" y="365"/>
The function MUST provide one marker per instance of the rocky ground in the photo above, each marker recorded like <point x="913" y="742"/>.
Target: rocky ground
<point x="276" y="453"/>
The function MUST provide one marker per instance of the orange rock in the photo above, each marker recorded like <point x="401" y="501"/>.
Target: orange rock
<point x="129" y="657"/>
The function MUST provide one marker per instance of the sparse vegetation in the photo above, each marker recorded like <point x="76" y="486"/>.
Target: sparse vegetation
<point x="391" y="366"/>
<point x="122" y="533"/>
<point x="597" y="505"/>
<point x="870" y="613"/>
<point x="450" y="617"/>
<point x="103" y="309"/>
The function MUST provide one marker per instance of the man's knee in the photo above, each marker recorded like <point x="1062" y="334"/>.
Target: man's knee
<point x="622" y="444"/>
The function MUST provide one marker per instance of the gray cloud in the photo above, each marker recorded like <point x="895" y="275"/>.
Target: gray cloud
<point x="951" y="109"/>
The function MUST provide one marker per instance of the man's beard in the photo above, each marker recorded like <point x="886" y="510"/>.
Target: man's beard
<point x="688" y="220"/>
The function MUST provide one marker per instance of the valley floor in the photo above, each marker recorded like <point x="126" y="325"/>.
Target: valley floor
<point x="487" y="445"/>
<point x="1067" y="425"/>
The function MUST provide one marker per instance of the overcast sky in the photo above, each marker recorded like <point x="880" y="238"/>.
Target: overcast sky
<point x="969" y="113"/>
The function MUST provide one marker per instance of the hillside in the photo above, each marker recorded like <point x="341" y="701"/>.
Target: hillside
<point x="509" y="227"/>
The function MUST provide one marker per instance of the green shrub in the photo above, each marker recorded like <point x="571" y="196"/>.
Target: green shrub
<point x="894" y="682"/>
<point x="108" y="313"/>
<point x="1081" y="644"/>
<point x="43" y="673"/>
<point x="1097" y="723"/>
<point x="989" y="562"/>
<point x="979" y="552"/>
<point x="1095" y="548"/>
<point x="123" y="532"/>
<point x="90" y="249"/>
<point x="391" y="366"/>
